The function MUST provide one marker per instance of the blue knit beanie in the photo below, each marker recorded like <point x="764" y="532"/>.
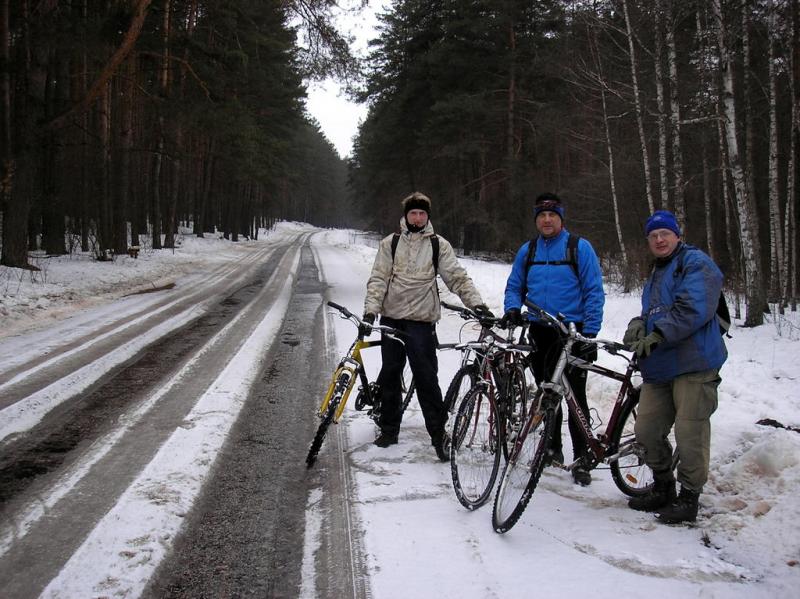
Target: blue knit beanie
<point x="662" y="219"/>
<point x="548" y="201"/>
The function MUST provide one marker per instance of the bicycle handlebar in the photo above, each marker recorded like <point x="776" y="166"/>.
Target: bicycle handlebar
<point x="612" y="347"/>
<point x="467" y="314"/>
<point x="390" y="331"/>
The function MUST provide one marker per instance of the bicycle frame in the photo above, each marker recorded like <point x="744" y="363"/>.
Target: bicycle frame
<point x="353" y="366"/>
<point x="598" y="445"/>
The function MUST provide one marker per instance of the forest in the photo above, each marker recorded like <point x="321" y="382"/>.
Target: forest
<point x="123" y="119"/>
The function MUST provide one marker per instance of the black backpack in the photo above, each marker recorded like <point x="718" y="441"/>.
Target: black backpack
<point x="434" y="247"/>
<point x="723" y="314"/>
<point x="570" y="259"/>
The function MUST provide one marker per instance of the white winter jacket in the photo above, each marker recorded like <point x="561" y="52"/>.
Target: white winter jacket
<point x="405" y="288"/>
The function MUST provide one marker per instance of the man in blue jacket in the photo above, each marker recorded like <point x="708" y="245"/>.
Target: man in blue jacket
<point x="680" y="348"/>
<point x="558" y="279"/>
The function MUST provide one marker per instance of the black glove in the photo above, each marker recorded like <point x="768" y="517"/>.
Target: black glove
<point x="512" y="318"/>
<point x="645" y="346"/>
<point x="586" y="351"/>
<point x="365" y="330"/>
<point x="482" y="311"/>
<point x="636" y="330"/>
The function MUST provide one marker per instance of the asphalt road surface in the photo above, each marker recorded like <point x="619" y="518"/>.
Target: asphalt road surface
<point x="244" y="535"/>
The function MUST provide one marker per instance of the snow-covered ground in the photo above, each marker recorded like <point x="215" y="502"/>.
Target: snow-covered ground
<point x="420" y="542"/>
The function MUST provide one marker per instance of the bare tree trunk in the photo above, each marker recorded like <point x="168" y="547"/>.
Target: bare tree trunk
<point x="14" y="206"/>
<point x="155" y="213"/>
<point x="639" y="116"/>
<point x="675" y="121"/>
<point x="776" y="238"/>
<point x="747" y="216"/>
<point x="105" y="213"/>
<point x="662" y="111"/>
<point x="790" y="262"/>
<point x="601" y="82"/>
<point x="126" y="147"/>
<point x="7" y="163"/>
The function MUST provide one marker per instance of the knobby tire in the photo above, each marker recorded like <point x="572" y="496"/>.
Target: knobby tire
<point x="327" y="418"/>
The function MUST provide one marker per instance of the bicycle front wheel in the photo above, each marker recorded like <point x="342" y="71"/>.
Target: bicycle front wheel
<point x="474" y="449"/>
<point x="524" y="466"/>
<point x="330" y="412"/>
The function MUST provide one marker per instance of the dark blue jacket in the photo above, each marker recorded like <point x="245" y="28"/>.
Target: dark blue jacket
<point x="680" y="299"/>
<point x="555" y="287"/>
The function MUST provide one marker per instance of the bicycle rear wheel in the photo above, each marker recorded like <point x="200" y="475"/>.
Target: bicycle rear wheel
<point x="524" y="466"/>
<point x="475" y="449"/>
<point x="513" y="407"/>
<point x="630" y="473"/>
<point x="408" y="386"/>
<point x="336" y="398"/>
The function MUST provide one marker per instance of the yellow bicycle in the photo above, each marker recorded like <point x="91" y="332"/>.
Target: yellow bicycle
<point x="351" y="369"/>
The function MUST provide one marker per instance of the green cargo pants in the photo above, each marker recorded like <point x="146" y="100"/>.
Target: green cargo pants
<point x="687" y="402"/>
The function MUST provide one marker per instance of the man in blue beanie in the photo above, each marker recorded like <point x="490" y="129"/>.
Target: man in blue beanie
<point x="680" y="349"/>
<point x="558" y="272"/>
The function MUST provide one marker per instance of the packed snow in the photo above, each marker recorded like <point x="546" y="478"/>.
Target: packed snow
<point x="419" y="541"/>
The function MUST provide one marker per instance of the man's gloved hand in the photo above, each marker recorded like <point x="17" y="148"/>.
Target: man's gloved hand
<point x="365" y="329"/>
<point x="586" y="351"/>
<point x="512" y="318"/>
<point x="635" y="331"/>
<point x="645" y="346"/>
<point x="483" y="311"/>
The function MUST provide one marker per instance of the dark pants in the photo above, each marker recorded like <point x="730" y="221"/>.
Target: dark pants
<point x="419" y="346"/>
<point x="544" y="360"/>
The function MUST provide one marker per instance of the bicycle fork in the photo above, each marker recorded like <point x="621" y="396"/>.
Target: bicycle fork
<point x="341" y="385"/>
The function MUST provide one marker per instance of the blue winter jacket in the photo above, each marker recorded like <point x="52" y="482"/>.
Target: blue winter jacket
<point x="680" y="299"/>
<point x="555" y="287"/>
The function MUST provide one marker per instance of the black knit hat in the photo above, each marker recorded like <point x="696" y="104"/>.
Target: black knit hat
<point x="417" y="201"/>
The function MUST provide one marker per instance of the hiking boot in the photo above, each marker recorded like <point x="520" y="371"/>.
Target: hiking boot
<point x="661" y="495"/>
<point x="683" y="509"/>
<point x="581" y="476"/>
<point x="385" y="440"/>
<point x="553" y="456"/>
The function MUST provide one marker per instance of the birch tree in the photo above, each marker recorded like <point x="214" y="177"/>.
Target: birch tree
<point x="661" y="104"/>
<point x="675" y="119"/>
<point x="639" y="111"/>
<point x="748" y="223"/>
<point x="775" y="224"/>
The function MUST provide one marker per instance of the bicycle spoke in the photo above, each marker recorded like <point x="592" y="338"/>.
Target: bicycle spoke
<point x="523" y="468"/>
<point x="474" y="455"/>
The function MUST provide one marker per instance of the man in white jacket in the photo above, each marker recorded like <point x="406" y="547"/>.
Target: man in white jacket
<point x="402" y="288"/>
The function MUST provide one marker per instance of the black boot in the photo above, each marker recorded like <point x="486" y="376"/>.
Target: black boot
<point x="385" y="440"/>
<point x="661" y="495"/>
<point x="683" y="509"/>
<point x="441" y="447"/>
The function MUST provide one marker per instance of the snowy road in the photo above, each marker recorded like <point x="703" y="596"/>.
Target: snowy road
<point x="127" y="408"/>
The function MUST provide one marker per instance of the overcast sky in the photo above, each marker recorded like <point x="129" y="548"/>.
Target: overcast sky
<point x="338" y="117"/>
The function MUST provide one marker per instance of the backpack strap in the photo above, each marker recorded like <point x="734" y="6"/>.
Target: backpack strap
<point x="570" y="257"/>
<point x="434" y="248"/>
